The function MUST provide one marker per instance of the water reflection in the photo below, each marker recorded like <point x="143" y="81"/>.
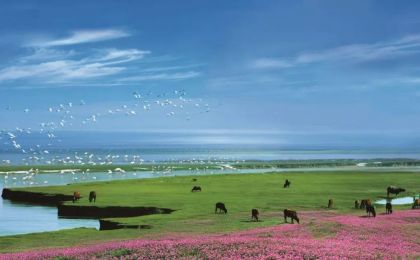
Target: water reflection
<point x="17" y="218"/>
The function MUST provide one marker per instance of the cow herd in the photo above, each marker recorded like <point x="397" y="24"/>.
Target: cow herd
<point x="370" y="208"/>
<point x="221" y="207"/>
<point x="365" y="204"/>
<point x="77" y="196"/>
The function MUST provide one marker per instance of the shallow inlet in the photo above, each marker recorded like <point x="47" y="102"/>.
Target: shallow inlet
<point x="19" y="218"/>
<point x="397" y="201"/>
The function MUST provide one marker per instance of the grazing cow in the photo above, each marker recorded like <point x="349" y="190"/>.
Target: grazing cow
<point x="388" y="208"/>
<point x="364" y="203"/>
<point x="196" y="188"/>
<point x="416" y="204"/>
<point x="254" y="214"/>
<point x="394" y="190"/>
<point x="76" y="196"/>
<point x="370" y="210"/>
<point x="286" y="184"/>
<point x="221" y="207"/>
<point x="356" y="204"/>
<point x="290" y="214"/>
<point x="330" y="203"/>
<point x="92" y="196"/>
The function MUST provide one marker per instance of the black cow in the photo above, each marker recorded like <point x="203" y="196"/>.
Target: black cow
<point x="92" y="196"/>
<point x="287" y="184"/>
<point x="394" y="190"/>
<point x="254" y="214"/>
<point x="221" y="207"/>
<point x="370" y="210"/>
<point x="196" y="188"/>
<point x="388" y="208"/>
<point x="356" y="204"/>
<point x="290" y="214"/>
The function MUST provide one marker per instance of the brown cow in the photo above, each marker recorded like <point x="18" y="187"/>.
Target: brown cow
<point x="416" y="204"/>
<point x="76" y="196"/>
<point x="290" y="214"/>
<point x="254" y="214"/>
<point x="364" y="203"/>
<point x="330" y="203"/>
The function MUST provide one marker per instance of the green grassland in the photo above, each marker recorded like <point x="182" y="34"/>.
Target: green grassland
<point x="195" y="211"/>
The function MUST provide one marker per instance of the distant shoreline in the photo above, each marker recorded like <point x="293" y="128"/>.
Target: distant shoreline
<point x="318" y="164"/>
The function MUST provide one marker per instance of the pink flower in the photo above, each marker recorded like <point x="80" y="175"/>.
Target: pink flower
<point x="351" y="237"/>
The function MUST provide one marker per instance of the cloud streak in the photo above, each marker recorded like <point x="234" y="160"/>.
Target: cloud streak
<point x="48" y="64"/>
<point x="348" y="53"/>
<point x="73" y="69"/>
<point x="82" y="36"/>
<point x="164" y="76"/>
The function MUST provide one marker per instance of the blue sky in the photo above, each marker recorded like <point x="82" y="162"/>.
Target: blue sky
<point x="246" y="66"/>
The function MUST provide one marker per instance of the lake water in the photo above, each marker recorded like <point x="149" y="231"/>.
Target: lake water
<point x="16" y="218"/>
<point x="397" y="201"/>
<point x="127" y="147"/>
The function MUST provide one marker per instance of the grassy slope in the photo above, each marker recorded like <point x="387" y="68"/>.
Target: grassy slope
<point x="195" y="211"/>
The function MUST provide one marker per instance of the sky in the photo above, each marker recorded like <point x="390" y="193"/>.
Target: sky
<point x="286" y="67"/>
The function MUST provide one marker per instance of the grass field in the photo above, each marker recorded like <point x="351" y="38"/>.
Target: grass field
<point x="195" y="211"/>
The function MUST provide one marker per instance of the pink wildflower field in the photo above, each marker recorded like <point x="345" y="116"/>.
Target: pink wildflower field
<point x="321" y="235"/>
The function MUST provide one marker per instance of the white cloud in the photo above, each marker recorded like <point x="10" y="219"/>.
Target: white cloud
<point x="267" y="63"/>
<point x="44" y="54"/>
<point x="163" y="76"/>
<point x="49" y="65"/>
<point x="82" y="36"/>
<point x="347" y="53"/>
<point x="70" y="69"/>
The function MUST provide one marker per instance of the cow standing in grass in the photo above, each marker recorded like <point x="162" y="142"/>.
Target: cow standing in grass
<point x="416" y="204"/>
<point x="254" y="214"/>
<point x="330" y="203"/>
<point x="92" y="196"/>
<point x="196" y="188"/>
<point x="221" y="207"/>
<point x="370" y="210"/>
<point x="394" y="190"/>
<point x="388" y="207"/>
<point x="76" y="196"/>
<point x="364" y="203"/>
<point x="290" y="214"/>
<point x="287" y="184"/>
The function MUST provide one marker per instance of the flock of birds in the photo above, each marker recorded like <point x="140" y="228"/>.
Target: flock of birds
<point x="174" y="104"/>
